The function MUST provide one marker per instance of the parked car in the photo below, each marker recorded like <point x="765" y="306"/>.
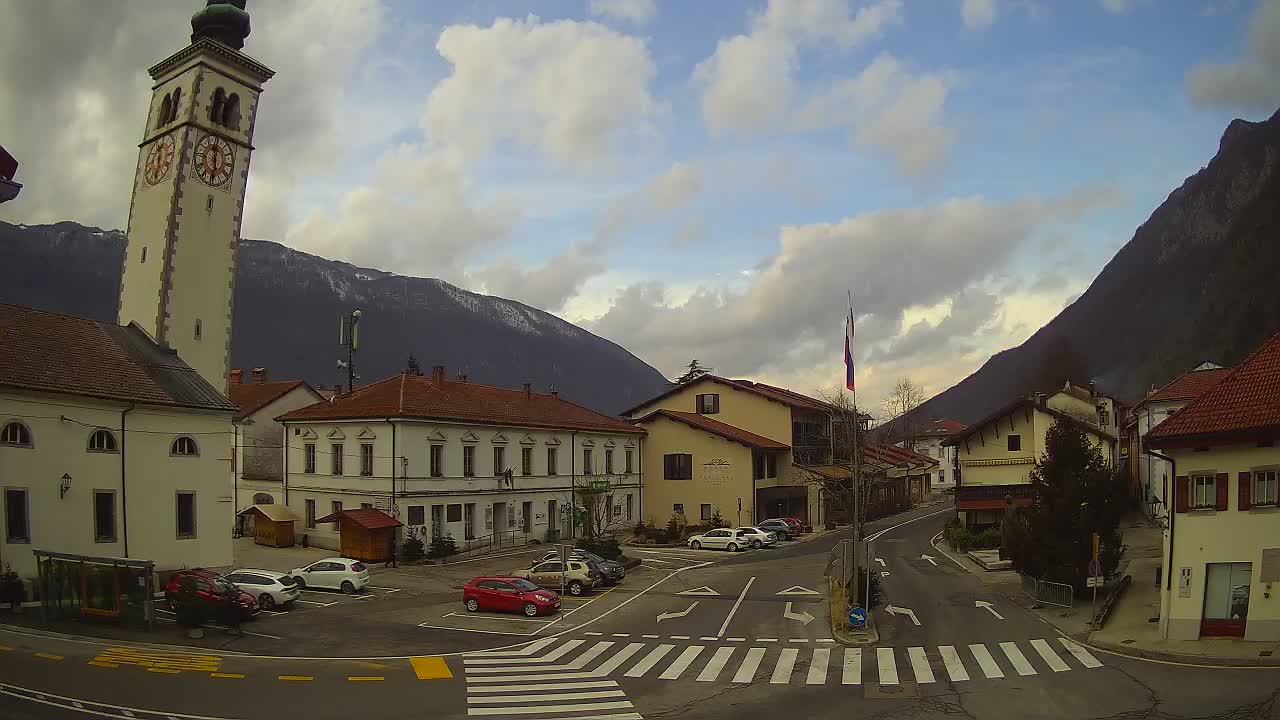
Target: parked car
<point x="578" y="576"/>
<point x="780" y="528"/>
<point x="795" y="523"/>
<point x="723" y="538"/>
<point x="612" y="570"/>
<point x="272" y="589"/>
<point x="335" y="573"/>
<point x="510" y="594"/>
<point x="756" y="537"/>
<point x="214" y="590"/>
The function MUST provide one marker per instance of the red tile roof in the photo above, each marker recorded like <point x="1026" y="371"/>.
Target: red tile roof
<point x="724" y="430"/>
<point x="1244" y="404"/>
<point x="50" y="352"/>
<point x="252" y="397"/>
<point x="941" y="427"/>
<point x="894" y="455"/>
<point x="1188" y="386"/>
<point x="418" y="396"/>
<point x="770" y="392"/>
<point x="367" y="518"/>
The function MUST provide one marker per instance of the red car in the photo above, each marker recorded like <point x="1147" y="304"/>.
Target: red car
<point x="795" y="523"/>
<point x="510" y="594"/>
<point x="214" y="590"/>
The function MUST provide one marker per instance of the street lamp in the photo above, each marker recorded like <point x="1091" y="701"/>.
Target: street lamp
<point x="66" y="485"/>
<point x="349" y="338"/>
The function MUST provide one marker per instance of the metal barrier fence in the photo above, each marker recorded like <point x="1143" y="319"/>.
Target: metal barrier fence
<point x="1049" y="593"/>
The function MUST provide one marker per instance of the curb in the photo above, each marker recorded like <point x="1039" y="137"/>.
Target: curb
<point x="1183" y="659"/>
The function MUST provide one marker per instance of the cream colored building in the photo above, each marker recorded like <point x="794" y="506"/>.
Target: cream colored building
<point x="110" y="446"/>
<point x="258" y="468"/>
<point x="433" y="452"/>
<point x="1221" y="567"/>
<point x="995" y="456"/>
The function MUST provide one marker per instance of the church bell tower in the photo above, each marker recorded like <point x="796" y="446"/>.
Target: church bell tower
<point x="188" y="192"/>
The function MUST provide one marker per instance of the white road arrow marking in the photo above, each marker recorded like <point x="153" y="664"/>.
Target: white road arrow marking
<point x="881" y="561"/>
<point x="703" y="591"/>
<point x="804" y="617"/>
<point x="686" y="611"/>
<point x="987" y="605"/>
<point x="798" y="590"/>
<point x="930" y="559"/>
<point x="892" y="610"/>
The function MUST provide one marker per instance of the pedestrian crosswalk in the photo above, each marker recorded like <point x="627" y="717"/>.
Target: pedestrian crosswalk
<point x="583" y="668"/>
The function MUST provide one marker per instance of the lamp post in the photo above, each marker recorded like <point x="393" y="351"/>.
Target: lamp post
<point x="349" y="338"/>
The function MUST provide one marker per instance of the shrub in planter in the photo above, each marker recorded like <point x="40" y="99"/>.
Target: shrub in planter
<point x="12" y="591"/>
<point x="412" y="548"/>
<point x="605" y="547"/>
<point x="443" y="546"/>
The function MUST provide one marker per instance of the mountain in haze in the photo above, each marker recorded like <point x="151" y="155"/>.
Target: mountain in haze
<point x="1198" y="281"/>
<point x="287" y="306"/>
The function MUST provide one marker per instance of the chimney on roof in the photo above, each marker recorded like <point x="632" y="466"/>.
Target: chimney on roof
<point x="259" y="375"/>
<point x="236" y="376"/>
<point x="437" y="375"/>
<point x="528" y="390"/>
<point x="554" y="391"/>
<point x="337" y="390"/>
<point x="462" y="376"/>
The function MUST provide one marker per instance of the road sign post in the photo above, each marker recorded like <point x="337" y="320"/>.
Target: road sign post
<point x="1095" y="574"/>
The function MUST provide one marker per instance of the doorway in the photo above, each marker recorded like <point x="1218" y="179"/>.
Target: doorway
<point x="1226" y="599"/>
<point x="526" y="519"/>
<point x="469" y="521"/>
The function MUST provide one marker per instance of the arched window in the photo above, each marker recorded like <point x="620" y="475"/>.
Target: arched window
<point x="173" y="109"/>
<point x="15" y="433"/>
<point x="215" y="109"/>
<point x="263" y="499"/>
<point x="231" y="112"/>
<point x="184" y="445"/>
<point x="102" y="441"/>
<point x="166" y="106"/>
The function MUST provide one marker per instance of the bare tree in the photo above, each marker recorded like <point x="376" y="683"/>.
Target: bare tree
<point x="844" y="479"/>
<point x="601" y="519"/>
<point x="899" y="405"/>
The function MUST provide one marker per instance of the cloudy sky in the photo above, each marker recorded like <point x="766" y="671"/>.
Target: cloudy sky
<point x="687" y="179"/>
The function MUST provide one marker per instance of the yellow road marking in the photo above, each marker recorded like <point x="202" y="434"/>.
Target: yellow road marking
<point x="167" y="671"/>
<point x="5" y="647"/>
<point x="152" y="659"/>
<point x="47" y="656"/>
<point x="236" y="676"/>
<point x="431" y="667"/>
<point x="365" y="678"/>
<point x="103" y="664"/>
<point x="295" y="677"/>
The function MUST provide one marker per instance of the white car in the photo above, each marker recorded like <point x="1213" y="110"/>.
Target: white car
<point x="270" y="588"/>
<point x="723" y="538"/>
<point x="335" y="573"/>
<point x="757" y="537"/>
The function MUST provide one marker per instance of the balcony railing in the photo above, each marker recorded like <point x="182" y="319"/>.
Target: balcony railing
<point x="993" y="492"/>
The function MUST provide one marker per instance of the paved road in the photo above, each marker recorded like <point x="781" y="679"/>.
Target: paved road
<point x="739" y="651"/>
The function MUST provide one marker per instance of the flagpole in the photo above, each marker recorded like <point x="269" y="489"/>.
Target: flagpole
<point x="854" y="478"/>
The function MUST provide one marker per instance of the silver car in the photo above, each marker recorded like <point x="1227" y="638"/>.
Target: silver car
<point x="270" y="588"/>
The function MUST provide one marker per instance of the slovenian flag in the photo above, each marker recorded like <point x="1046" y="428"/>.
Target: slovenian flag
<point x="848" y="353"/>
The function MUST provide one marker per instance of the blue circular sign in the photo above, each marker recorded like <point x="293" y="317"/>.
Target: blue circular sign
<point x="858" y="617"/>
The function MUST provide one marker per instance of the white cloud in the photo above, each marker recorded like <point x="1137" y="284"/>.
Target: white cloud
<point x="572" y="91"/>
<point x="978" y="14"/>
<point x="661" y="196"/>
<point x="1249" y="83"/>
<point x="638" y="12"/>
<point x="748" y="81"/>
<point x="1117" y="7"/>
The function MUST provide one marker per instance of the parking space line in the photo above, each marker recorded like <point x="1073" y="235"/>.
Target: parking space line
<point x="471" y="630"/>
<point x="503" y="618"/>
<point x="312" y="602"/>
<point x="386" y="589"/>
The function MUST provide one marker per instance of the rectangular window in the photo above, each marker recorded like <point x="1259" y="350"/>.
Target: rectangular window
<point x="526" y="461"/>
<point x="16" y="519"/>
<point x="1264" y="487"/>
<point x="437" y="461"/>
<point x="1015" y="443"/>
<point x="677" y="466"/>
<point x="469" y="460"/>
<point x="366" y="506"/>
<point x="708" y="404"/>
<point x="417" y="514"/>
<point x="551" y="461"/>
<point x="335" y="506"/>
<point x="335" y="454"/>
<point x="677" y="508"/>
<point x="626" y="461"/>
<point x="499" y="460"/>
<point x="311" y="514"/>
<point x="366" y="459"/>
<point x="706" y="511"/>
<point x="104" y="516"/>
<point x="630" y="506"/>
<point x="1204" y="494"/>
<point x="453" y="513"/>
<point x="757" y="466"/>
<point x="586" y="461"/>
<point x="608" y="462"/>
<point x="771" y="466"/>
<point x="309" y="455"/>
<point x="186" y="515"/>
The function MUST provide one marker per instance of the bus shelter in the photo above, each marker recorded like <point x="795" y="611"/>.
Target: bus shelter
<point x="75" y="586"/>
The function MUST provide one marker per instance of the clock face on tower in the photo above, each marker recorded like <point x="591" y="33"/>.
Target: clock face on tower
<point x="214" y="160"/>
<point x="159" y="158"/>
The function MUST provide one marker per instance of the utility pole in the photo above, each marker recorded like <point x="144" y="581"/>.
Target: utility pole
<point x="349" y="338"/>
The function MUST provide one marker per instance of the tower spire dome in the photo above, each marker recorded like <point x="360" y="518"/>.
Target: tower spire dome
<point x="223" y="20"/>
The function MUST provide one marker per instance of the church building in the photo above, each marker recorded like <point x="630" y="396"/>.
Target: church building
<point x="116" y="438"/>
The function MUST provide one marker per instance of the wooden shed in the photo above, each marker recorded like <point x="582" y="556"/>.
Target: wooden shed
<point x="366" y="534"/>
<point x="272" y="524"/>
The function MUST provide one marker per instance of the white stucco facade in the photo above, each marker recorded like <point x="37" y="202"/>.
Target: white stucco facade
<point x="944" y="474"/>
<point x="140" y="482"/>
<point x="258" y="470"/>
<point x="450" y="501"/>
